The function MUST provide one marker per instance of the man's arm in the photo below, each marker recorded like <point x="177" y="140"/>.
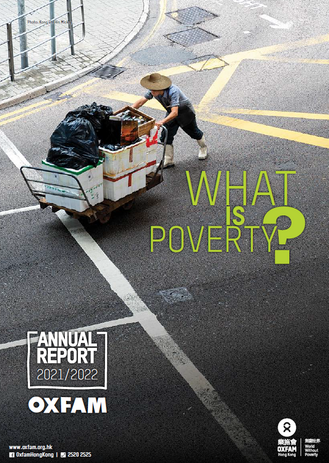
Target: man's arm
<point x="140" y="102"/>
<point x="172" y="115"/>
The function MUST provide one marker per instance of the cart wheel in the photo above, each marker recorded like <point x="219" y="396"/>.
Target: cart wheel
<point x="105" y="218"/>
<point x="83" y="220"/>
<point x="128" y="205"/>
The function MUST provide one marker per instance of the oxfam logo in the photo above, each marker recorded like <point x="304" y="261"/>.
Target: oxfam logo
<point x="287" y="427"/>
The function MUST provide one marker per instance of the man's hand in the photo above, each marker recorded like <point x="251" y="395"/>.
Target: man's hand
<point x="172" y="115"/>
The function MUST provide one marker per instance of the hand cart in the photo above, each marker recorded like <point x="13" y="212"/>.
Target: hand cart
<point x="100" y="212"/>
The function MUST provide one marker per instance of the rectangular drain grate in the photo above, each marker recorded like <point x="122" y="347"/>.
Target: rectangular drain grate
<point x="191" y="16"/>
<point x="108" y="71"/>
<point x="191" y="37"/>
<point x="176" y="295"/>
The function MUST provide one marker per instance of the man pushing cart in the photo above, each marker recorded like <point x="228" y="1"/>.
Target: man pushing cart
<point x="180" y="113"/>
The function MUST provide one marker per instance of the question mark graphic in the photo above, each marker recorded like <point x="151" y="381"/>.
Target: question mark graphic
<point x="296" y="228"/>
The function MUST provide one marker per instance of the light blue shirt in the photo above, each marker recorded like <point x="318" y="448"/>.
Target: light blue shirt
<point x="172" y="97"/>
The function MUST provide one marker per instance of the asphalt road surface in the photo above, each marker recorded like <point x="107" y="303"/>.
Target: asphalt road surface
<point x="206" y="371"/>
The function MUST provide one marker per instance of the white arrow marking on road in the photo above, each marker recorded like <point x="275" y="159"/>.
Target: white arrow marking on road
<point x="277" y="24"/>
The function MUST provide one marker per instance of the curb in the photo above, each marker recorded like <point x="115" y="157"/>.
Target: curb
<point x="76" y="75"/>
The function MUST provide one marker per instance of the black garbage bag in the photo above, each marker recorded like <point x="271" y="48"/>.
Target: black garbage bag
<point x="74" y="144"/>
<point x="96" y="114"/>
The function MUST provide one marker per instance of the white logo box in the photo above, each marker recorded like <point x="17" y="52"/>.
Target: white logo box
<point x="124" y="159"/>
<point x="90" y="178"/>
<point x="124" y="183"/>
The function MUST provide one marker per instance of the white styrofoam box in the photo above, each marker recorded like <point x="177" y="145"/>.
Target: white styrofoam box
<point x="90" y="178"/>
<point x="151" y="151"/>
<point x="129" y="157"/>
<point x="123" y="184"/>
<point x="151" y="163"/>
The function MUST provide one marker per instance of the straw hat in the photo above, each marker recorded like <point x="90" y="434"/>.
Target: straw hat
<point x="155" y="81"/>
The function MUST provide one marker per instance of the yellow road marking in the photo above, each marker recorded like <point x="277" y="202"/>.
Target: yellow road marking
<point x="182" y="69"/>
<point x="13" y="119"/>
<point x="36" y="107"/>
<point x="268" y="130"/>
<point x="261" y="112"/>
<point x="262" y="129"/>
<point x="77" y="90"/>
<point x="258" y="53"/>
<point x="211" y="63"/>
<point x="215" y="89"/>
<point x="212" y="93"/>
<point x="250" y="54"/>
<point x="236" y="58"/>
<point x="21" y="110"/>
<point x="154" y="104"/>
<point x="292" y="60"/>
<point x="161" y="18"/>
<point x="131" y="98"/>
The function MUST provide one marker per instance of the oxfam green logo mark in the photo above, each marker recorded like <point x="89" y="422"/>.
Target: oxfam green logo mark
<point x="296" y="228"/>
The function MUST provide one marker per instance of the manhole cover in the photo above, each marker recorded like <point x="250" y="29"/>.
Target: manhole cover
<point x="191" y="37"/>
<point x="108" y="71"/>
<point x="191" y="16"/>
<point x="162" y="55"/>
<point x="176" y="295"/>
<point x="202" y="63"/>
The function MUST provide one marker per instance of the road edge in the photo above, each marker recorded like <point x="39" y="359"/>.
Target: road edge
<point x="38" y="91"/>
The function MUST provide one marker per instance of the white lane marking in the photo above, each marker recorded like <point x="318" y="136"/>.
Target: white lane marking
<point x="19" y="160"/>
<point x="230" y="423"/>
<point x="12" y="152"/>
<point x="22" y="209"/>
<point x="250" y="4"/>
<point x="276" y="24"/>
<point x="99" y="326"/>
<point x="195" y="379"/>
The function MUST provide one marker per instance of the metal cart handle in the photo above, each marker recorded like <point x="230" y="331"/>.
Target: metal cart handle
<point x="40" y="193"/>
<point x="161" y="163"/>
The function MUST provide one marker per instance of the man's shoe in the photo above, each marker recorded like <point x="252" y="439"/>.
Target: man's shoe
<point x="203" y="152"/>
<point x="169" y="157"/>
